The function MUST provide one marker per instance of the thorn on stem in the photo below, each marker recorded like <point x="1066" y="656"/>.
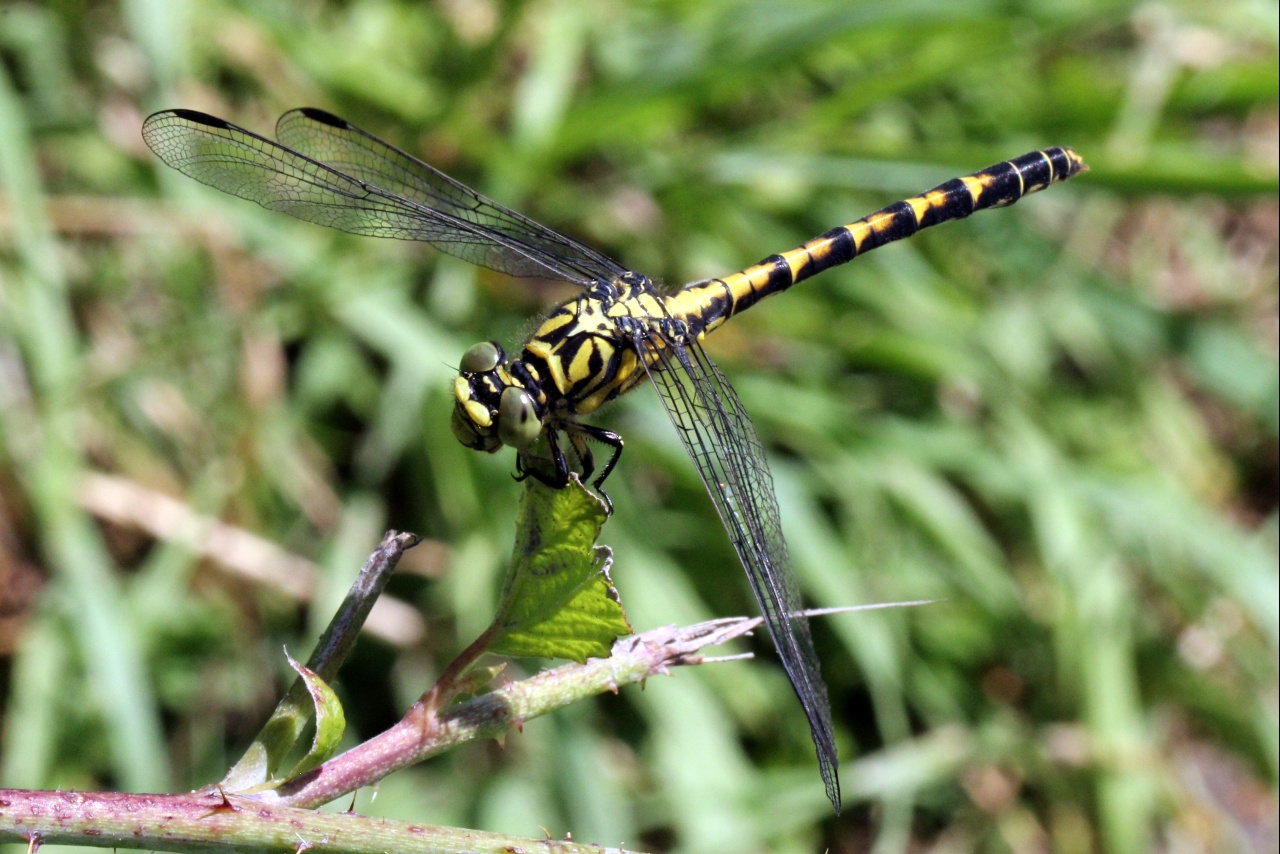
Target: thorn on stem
<point x="224" y="803"/>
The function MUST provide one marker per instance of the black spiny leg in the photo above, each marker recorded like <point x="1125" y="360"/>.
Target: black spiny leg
<point x="526" y="464"/>
<point x="604" y="437"/>
<point x="578" y="434"/>
<point x="557" y="480"/>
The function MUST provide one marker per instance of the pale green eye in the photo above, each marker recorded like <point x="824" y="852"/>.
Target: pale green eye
<point x="518" y="424"/>
<point x="481" y="358"/>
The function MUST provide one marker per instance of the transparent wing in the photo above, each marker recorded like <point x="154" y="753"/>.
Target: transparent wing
<point x="346" y="179"/>
<point x="724" y="446"/>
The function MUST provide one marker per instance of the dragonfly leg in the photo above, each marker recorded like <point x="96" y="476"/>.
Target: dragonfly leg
<point x="578" y="434"/>
<point x="604" y="437"/>
<point x="585" y="457"/>
<point x="526" y="464"/>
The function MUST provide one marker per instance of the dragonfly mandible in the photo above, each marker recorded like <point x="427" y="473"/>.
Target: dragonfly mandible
<point x="618" y="332"/>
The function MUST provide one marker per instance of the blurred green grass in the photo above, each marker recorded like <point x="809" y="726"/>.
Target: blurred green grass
<point x="1059" y="420"/>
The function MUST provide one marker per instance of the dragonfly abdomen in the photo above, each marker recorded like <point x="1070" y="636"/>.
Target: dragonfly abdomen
<point x="707" y="304"/>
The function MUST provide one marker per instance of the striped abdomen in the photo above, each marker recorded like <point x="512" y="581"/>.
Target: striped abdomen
<point x="705" y="305"/>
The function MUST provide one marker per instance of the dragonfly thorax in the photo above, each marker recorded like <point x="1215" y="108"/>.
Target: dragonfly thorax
<point x="492" y="407"/>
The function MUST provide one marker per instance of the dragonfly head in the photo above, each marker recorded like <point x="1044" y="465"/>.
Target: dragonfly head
<point x="490" y="408"/>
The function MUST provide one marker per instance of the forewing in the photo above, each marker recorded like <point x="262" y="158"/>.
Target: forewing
<point x="244" y="164"/>
<point x="724" y="446"/>
<point x="336" y="142"/>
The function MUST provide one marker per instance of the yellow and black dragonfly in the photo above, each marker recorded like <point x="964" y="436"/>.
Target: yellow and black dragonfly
<point x="619" y="331"/>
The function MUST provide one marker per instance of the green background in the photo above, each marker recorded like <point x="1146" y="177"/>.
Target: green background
<point x="1058" y="420"/>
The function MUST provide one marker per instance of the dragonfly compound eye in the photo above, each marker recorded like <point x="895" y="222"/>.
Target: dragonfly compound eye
<point x="481" y="358"/>
<point x="518" y="424"/>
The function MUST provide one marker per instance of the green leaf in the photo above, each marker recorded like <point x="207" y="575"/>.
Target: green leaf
<point x="558" y="600"/>
<point x="254" y="767"/>
<point x="331" y="721"/>
<point x="253" y="771"/>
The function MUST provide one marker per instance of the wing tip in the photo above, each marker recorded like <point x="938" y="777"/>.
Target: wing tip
<point x="832" y="783"/>
<point x="324" y="117"/>
<point x="193" y="116"/>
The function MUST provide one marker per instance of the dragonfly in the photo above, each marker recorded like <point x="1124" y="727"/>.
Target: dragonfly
<point x="619" y="332"/>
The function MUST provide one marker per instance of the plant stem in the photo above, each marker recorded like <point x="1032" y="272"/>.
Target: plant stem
<point x="419" y="735"/>
<point x="212" y="823"/>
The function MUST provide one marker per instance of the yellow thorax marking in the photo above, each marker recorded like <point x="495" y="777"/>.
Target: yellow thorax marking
<point x="580" y="367"/>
